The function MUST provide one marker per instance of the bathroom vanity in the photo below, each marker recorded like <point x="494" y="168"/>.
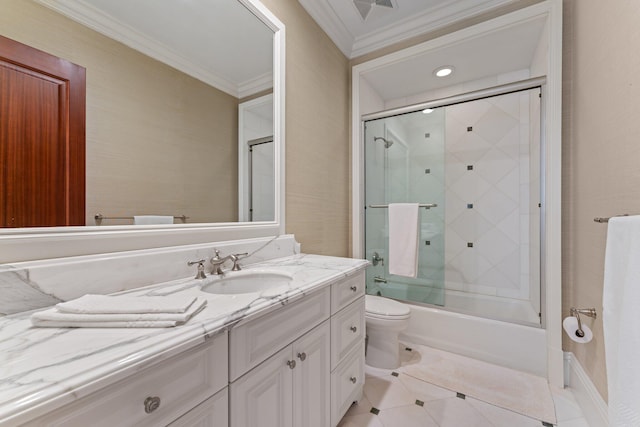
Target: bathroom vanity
<point x="289" y="355"/>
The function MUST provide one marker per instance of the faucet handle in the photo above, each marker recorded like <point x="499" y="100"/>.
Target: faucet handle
<point x="235" y="258"/>
<point x="200" y="274"/>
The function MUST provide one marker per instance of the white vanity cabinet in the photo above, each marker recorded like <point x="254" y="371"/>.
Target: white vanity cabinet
<point x="285" y="365"/>
<point x="156" y="396"/>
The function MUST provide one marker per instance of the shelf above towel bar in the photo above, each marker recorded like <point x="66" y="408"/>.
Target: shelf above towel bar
<point x="422" y="205"/>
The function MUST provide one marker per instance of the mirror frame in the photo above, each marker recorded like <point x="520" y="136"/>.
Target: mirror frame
<point x="27" y="244"/>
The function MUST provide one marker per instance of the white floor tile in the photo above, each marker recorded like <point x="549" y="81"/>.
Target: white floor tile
<point x="386" y="393"/>
<point x="423" y="390"/>
<point x="576" y="422"/>
<point x="566" y="406"/>
<point x="362" y="420"/>
<point x="500" y="417"/>
<point x="362" y="407"/>
<point x="455" y="412"/>
<point x="406" y="416"/>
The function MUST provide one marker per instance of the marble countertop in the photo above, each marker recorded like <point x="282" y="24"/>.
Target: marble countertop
<point x="42" y="369"/>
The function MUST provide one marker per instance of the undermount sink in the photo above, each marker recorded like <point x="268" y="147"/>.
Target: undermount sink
<point x="249" y="281"/>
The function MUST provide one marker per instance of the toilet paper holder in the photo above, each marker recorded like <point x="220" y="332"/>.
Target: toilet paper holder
<point x="576" y="312"/>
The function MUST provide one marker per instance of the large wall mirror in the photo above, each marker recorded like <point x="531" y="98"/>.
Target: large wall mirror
<point x="165" y="84"/>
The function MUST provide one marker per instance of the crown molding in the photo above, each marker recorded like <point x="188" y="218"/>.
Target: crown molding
<point x="79" y="11"/>
<point x="429" y="20"/>
<point x="326" y="17"/>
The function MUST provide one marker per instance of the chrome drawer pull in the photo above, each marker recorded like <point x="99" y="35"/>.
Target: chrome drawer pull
<point x="353" y="379"/>
<point x="151" y="404"/>
<point x="354" y="329"/>
<point x="354" y="288"/>
<point x="302" y="356"/>
<point x="291" y="364"/>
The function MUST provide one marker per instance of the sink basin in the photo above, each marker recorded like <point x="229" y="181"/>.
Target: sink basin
<point x="245" y="282"/>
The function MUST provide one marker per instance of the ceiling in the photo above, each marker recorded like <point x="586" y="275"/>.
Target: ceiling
<point x="383" y="26"/>
<point x="198" y="43"/>
<point x="510" y="49"/>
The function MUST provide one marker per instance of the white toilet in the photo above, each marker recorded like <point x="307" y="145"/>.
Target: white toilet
<point x="385" y="319"/>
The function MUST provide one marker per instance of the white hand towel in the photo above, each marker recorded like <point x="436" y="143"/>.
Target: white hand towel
<point x="105" y="304"/>
<point x="621" y="322"/>
<point x="55" y="318"/>
<point x="152" y="219"/>
<point x="403" y="239"/>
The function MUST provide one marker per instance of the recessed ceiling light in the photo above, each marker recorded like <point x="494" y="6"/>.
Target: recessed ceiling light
<point x="443" y="71"/>
<point x="427" y="111"/>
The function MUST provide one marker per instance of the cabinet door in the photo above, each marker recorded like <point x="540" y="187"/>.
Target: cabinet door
<point x="263" y="396"/>
<point x="312" y="379"/>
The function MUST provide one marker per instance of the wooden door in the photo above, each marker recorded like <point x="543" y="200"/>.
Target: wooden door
<point x="42" y="138"/>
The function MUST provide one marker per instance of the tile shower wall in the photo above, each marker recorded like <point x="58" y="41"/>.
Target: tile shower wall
<point x="488" y="179"/>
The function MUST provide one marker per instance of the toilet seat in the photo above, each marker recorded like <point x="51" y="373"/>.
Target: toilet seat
<point x="384" y="308"/>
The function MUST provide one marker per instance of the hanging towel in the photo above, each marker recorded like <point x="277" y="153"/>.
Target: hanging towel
<point x="621" y="322"/>
<point x="55" y="318"/>
<point x="152" y="219"/>
<point x="403" y="239"/>
<point x="113" y="304"/>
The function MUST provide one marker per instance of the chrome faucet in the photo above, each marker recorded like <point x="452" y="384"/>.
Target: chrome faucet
<point x="376" y="258"/>
<point x="217" y="262"/>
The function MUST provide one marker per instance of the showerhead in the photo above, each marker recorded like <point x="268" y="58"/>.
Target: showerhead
<point x="387" y="143"/>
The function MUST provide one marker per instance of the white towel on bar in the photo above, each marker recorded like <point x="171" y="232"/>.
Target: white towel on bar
<point x="621" y="321"/>
<point x="152" y="219"/>
<point x="55" y="318"/>
<point x="403" y="239"/>
<point x="106" y="304"/>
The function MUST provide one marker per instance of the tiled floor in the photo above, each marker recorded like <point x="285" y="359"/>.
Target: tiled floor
<point x="398" y="400"/>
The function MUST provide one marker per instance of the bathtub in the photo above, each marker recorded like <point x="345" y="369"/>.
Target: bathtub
<point x="506" y="344"/>
<point x="470" y="325"/>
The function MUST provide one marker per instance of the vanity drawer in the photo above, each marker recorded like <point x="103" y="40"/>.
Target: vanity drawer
<point x="347" y="330"/>
<point x="255" y="341"/>
<point x="345" y="292"/>
<point x="179" y="383"/>
<point x="347" y="381"/>
<point x="213" y="412"/>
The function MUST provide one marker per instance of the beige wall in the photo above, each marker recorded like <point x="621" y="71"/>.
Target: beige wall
<point x="158" y="141"/>
<point x="601" y="172"/>
<point x="317" y="134"/>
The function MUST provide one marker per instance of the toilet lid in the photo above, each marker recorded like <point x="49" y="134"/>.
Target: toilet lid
<point x="379" y="306"/>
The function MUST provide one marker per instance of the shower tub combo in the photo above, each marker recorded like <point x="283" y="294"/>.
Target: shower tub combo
<point x="475" y="166"/>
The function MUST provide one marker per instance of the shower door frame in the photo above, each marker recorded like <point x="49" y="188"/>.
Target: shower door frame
<point x="551" y="11"/>
<point x="509" y="88"/>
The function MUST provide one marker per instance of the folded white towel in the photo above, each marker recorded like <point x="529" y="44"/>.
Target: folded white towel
<point x="106" y="304"/>
<point x="620" y="301"/>
<point x="403" y="239"/>
<point x="152" y="219"/>
<point x="55" y="318"/>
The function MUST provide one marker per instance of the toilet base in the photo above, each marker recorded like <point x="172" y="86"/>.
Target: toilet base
<point x="382" y="349"/>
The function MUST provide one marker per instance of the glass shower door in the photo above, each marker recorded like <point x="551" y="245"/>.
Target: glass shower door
<point x="404" y="163"/>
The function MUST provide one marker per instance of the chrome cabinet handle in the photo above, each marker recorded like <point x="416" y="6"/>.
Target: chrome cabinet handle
<point x="354" y="288"/>
<point x="302" y="356"/>
<point x="354" y="329"/>
<point x="353" y="379"/>
<point x="291" y="364"/>
<point x="151" y="404"/>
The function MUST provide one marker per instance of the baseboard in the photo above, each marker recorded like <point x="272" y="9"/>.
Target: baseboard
<point x="593" y="406"/>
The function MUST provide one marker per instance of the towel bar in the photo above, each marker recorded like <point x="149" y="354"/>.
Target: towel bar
<point x="421" y="205"/>
<point x="100" y="217"/>
<point x="606" y="219"/>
